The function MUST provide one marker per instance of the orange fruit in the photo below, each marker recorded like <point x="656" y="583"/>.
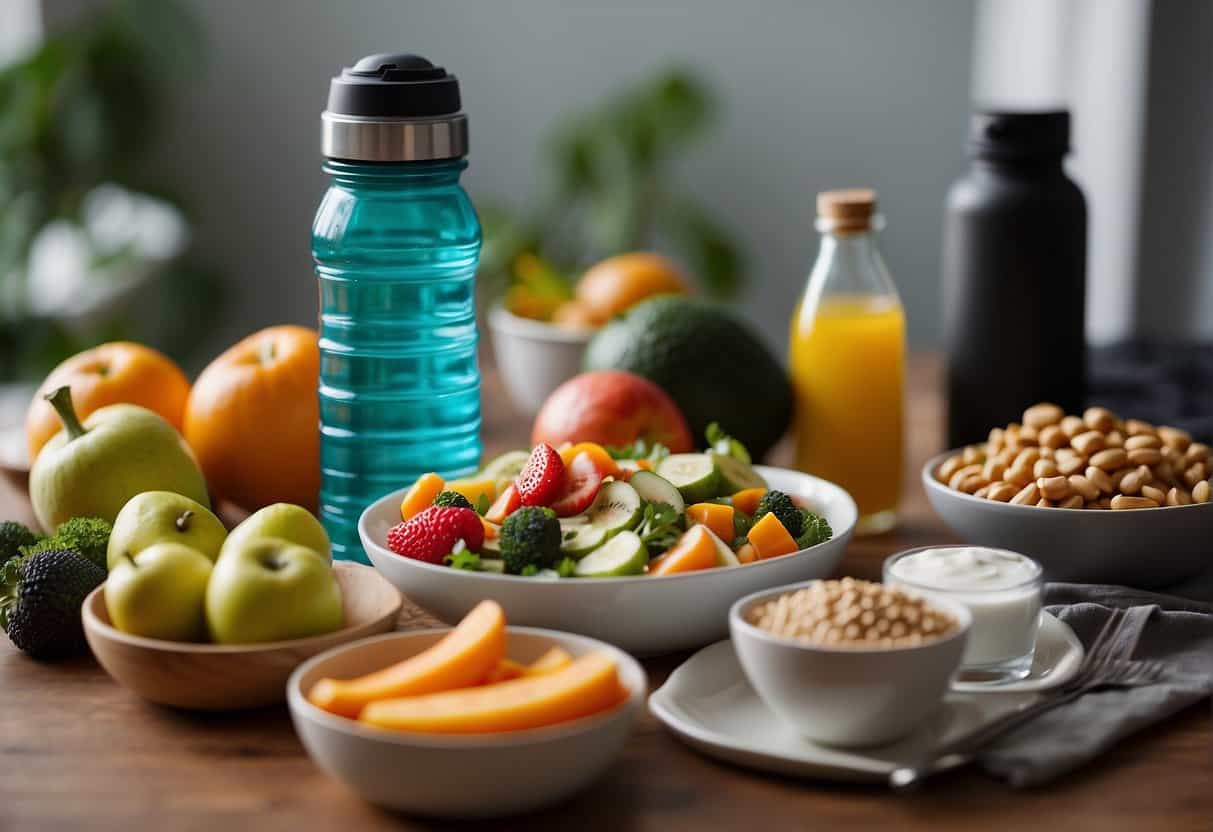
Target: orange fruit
<point x="253" y="420"/>
<point x="113" y="373"/>
<point x="622" y="281"/>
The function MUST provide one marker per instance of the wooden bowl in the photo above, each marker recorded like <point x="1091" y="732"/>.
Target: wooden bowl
<point x="222" y="677"/>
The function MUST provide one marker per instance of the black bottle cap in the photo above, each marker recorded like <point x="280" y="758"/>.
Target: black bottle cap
<point x="394" y="86"/>
<point x="1004" y="134"/>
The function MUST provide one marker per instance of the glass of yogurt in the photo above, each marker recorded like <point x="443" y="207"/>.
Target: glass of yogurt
<point x="1001" y="588"/>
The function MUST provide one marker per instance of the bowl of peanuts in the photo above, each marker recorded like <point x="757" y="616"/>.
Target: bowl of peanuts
<point x="1092" y="497"/>
<point x="847" y="662"/>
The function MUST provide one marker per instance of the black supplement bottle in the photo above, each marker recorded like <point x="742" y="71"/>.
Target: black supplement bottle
<point x="1014" y="275"/>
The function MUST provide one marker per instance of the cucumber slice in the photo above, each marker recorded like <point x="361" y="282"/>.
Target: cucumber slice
<point x="579" y="539"/>
<point x="725" y="556"/>
<point x="492" y="565"/>
<point x="736" y="475"/>
<point x="505" y="467"/>
<point x="654" y="488"/>
<point x="694" y="475"/>
<point x="623" y="554"/>
<point x="616" y="508"/>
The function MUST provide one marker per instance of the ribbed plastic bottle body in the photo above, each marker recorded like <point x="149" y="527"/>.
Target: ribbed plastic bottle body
<point x="396" y="248"/>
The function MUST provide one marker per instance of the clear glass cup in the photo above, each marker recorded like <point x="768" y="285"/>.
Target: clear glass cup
<point x="1006" y="619"/>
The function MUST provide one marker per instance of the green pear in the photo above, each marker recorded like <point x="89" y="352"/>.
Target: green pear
<point x="285" y="521"/>
<point x="269" y="589"/>
<point x="160" y="593"/>
<point x="93" y="469"/>
<point x="160" y="517"/>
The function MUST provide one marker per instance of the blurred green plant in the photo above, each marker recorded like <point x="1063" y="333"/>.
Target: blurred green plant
<point x="608" y="189"/>
<point x="81" y="110"/>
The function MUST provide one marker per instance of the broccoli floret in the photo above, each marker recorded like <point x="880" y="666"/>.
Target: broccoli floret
<point x="781" y="505"/>
<point x="469" y="561"/>
<point x="453" y="499"/>
<point x="530" y="537"/>
<point x="13" y="537"/>
<point x="90" y="536"/>
<point x="814" y="529"/>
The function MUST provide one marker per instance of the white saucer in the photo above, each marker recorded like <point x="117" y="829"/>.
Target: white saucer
<point x="708" y="702"/>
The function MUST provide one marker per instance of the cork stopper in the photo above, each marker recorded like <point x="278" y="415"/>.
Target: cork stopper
<point x="850" y="209"/>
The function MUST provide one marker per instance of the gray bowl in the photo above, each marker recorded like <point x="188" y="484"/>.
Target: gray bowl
<point x="1148" y="548"/>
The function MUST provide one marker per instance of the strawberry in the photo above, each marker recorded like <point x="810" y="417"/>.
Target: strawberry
<point x="542" y="477"/>
<point x="582" y="480"/>
<point x="431" y="535"/>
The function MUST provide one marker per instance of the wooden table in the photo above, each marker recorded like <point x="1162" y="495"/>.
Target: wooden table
<point x="76" y="750"/>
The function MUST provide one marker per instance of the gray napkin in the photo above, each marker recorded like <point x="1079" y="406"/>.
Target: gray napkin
<point x="1171" y="628"/>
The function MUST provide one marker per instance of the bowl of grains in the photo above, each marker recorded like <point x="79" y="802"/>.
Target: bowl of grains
<point x="847" y="662"/>
<point x="1093" y="497"/>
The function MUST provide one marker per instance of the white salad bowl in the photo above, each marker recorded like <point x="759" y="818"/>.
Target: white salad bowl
<point x="847" y="696"/>
<point x="534" y="357"/>
<point x="1149" y="548"/>
<point x="644" y="615"/>
<point x="463" y="776"/>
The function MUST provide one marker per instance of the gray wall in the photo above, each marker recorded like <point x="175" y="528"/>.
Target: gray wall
<point x="818" y="94"/>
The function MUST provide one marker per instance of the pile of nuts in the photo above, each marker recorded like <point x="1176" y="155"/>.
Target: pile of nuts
<point x="852" y="613"/>
<point x="1091" y="461"/>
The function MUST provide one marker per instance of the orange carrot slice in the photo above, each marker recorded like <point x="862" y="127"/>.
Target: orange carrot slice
<point x="694" y="550"/>
<point x="717" y="517"/>
<point x="770" y="539"/>
<point x="421" y="496"/>
<point x="462" y="658"/>
<point x="747" y="500"/>
<point x="586" y="686"/>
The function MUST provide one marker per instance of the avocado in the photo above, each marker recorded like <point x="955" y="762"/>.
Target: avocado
<point x="714" y="367"/>
<point x="40" y="599"/>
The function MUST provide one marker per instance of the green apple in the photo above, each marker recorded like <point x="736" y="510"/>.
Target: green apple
<point x="285" y="521"/>
<point x="93" y="469"/>
<point x="160" y="592"/>
<point x="270" y="589"/>
<point x="161" y="516"/>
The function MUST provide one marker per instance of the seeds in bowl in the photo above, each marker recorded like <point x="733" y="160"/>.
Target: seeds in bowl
<point x="1093" y="461"/>
<point x="853" y="613"/>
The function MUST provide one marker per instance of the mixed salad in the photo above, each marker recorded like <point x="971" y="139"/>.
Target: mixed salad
<point x="588" y="511"/>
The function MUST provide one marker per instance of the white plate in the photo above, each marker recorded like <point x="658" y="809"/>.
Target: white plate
<point x="709" y="703"/>
<point x="644" y="615"/>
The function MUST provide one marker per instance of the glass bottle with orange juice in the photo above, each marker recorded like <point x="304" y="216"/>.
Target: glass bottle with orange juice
<point x="847" y="359"/>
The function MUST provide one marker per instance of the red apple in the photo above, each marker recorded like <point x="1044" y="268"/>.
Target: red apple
<point x="611" y="407"/>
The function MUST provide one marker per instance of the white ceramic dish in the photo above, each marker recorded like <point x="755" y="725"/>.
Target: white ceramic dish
<point x="643" y="615"/>
<point x="461" y="776"/>
<point x="848" y="696"/>
<point x="709" y="704"/>
<point x="534" y="357"/>
<point x="1144" y="547"/>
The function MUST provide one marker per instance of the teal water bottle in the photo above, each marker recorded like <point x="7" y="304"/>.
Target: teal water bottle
<point x="396" y="243"/>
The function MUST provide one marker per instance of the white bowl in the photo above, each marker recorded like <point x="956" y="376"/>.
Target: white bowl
<point x="850" y="697"/>
<point x="1150" y="547"/>
<point x="533" y="357"/>
<point x="644" y="615"/>
<point x="474" y="775"/>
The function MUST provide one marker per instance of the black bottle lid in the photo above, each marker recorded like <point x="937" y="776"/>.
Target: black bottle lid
<point x="394" y="86"/>
<point x="995" y="134"/>
<point x="394" y="107"/>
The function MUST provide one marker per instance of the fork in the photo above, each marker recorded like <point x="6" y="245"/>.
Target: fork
<point x="1105" y="665"/>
